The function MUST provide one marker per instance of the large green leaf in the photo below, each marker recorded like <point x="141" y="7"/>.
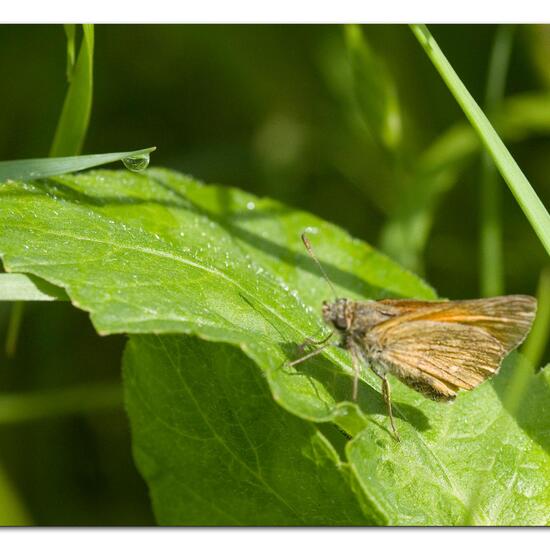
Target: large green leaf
<point x="161" y="253"/>
<point x="215" y="448"/>
<point x="158" y="252"/>
<point x="466" y="463"/>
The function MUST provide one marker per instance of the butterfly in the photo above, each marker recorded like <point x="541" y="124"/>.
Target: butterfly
<point x="435" y="347"/>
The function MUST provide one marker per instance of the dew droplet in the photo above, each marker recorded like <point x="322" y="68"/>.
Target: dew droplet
<point x="250" y="205"/>
<point x="136" y="163"/>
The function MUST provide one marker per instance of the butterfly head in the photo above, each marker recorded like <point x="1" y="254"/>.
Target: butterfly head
<point x="337" y="314"/>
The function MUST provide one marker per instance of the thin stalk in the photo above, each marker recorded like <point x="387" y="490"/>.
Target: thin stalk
<point x="491" y="262"/>
<point x="38" y="405"/>
<point x="14" y="326"/>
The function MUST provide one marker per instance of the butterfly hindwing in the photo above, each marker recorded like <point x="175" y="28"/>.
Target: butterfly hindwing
<point x="442" y="347"/>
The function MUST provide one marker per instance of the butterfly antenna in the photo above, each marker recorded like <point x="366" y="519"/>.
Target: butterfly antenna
<point x="309" y="249"/>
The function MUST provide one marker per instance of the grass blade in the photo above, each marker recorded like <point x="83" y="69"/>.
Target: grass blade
<point x="70" y="33"/>
<point x="32" y="169"/>
<point x="75" y="116"/>
<point x="14" y="326"/>
<point x="524" y="194"/>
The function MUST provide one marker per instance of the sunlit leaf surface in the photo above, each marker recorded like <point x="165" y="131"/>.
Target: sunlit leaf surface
<point x="160" y="253"/>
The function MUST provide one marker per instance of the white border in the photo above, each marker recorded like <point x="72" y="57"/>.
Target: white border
<point x="275" y="11"/>
<point x="374" y="538"/>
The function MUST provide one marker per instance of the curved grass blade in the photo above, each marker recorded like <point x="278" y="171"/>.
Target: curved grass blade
<point x="75" y="116"/>
<point x="70" y="33"/>
<point x="32" y="169"/>
<point x="524" y="194"/>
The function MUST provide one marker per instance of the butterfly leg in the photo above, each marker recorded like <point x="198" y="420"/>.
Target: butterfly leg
<point x="355" y="363"/>
<point x="312" y="342"/>
<point x="308" y="356"/>
<point x="386" y="394"/>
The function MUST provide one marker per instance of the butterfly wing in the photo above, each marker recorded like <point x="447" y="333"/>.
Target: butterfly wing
<point x="441" y="348"/>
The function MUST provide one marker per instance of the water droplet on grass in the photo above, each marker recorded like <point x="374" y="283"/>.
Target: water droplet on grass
<point x="136" y="163"/>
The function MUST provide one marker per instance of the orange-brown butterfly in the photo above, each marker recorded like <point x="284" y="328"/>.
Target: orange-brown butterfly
<point x="435" y="347"/>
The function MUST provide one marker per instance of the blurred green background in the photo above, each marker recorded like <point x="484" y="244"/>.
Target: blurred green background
<point x="274" y="110"/>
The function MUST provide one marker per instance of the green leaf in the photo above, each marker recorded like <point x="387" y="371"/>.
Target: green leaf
<point x="75" y="116"/>
<point x="162" y="253"/>
<point x="216" y="450"/>
<point x="159" y="252"/>
<point x="472" y="463"/>
<point x="18" y="287"/>
<point x="375" y="90"/>
<point x="33" y="169"/>
<point x="524" y="194"/>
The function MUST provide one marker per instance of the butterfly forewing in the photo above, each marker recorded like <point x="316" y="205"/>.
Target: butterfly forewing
<point x="440" y="347"/>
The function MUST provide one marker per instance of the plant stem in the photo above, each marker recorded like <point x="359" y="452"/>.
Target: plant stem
<point x="14" y="325"/>
<point x="491" y="264"/>
<point x="37" y="405"/>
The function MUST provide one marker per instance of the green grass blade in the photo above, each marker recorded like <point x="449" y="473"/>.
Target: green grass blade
<point x="519" y="185"/>
<point x="491" y="263"/>
<point x="14" y="326"/>
<point x="70" y="33"/>
<point x="75" y="116"/>
<point x="32" y="169"/>
<point x="71" y="128"/>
